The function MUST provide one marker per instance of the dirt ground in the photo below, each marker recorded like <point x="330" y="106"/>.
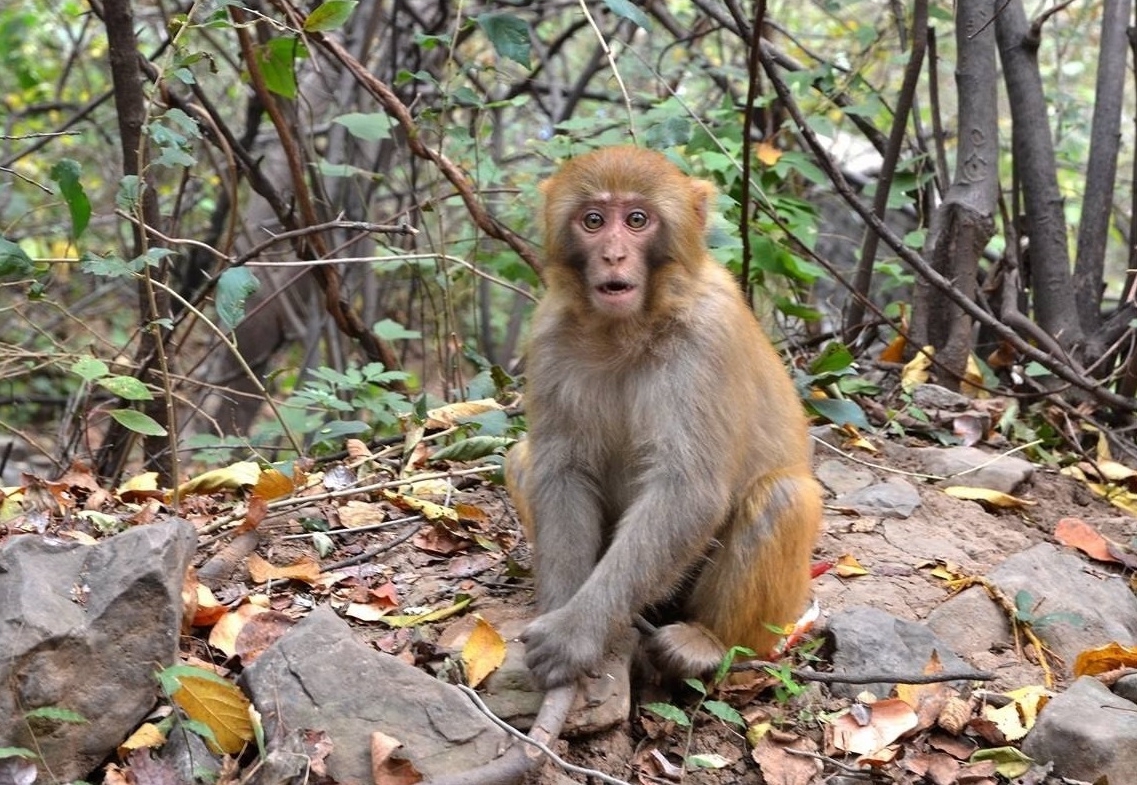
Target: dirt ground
<point x="898" y="554"/>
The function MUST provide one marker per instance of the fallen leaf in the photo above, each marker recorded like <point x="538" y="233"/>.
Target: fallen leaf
<point x="915" y="372"/>
<point x="366" y="611"/>
<point x="780" y="767"/>
<point x="260" y="631"/>
<point x="452" y="413"/>
<point x="216" y="703"/>
<point x="890" y="719"/>
<point x="388" y="770"/>
<point x="1076" y="533"/>
<point x="424" y="618"/>
<point x="230" y="478"/>
<point x="208" y="609"/>
<point x="354" y="513"/>
<point x="483" y="652"/>
<point x="357" y="450"/>
<point x="926" y="699"/>
<point x="996" y="499"/>
<point x="1106" y="658"/>
<point x="223" y="636"/>
<point x="428" y="510"/>
<point x="273" y="484"/>
<point x="972" y="383"/>
<point x="848" y="567"/>
<point x="254" y="513"/>
<point x="1009" y="761"/>
<point x="147" y="736"/>
<point x="305" y="569"/>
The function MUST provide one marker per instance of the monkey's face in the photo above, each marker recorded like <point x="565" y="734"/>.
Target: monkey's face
<point x="615" y="235"/>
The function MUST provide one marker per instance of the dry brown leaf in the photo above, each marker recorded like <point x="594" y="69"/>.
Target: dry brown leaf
<point x="780" y="767"/>
<point x="1106" y="658"/>
<point x="389" y="770"/>
<point x="259" y="632"/>
<point x="767" y="153"/>
<point x="357" y="450"/>
<point x="305" y="569"/>
<point x="926" y="699"/>
<point x="366" y="611"/>
<point x="354" y="513"/>
<point x="1076" y="533"/>
<point x="208" y="609"/>
<point x="224" y="634"/>
<point x="483" y="653"/>
<point x="255" y="512"/>
<point x="954" y="715"/>
<point x="890" y="719"/>
<point x="894" y="352"/>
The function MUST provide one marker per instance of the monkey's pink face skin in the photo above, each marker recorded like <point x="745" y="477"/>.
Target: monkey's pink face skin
<point x="616" y="233"/>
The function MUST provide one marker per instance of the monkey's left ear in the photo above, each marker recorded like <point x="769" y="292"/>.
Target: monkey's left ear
<point x="703" y="193"/>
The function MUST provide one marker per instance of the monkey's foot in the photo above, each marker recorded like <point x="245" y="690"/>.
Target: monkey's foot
<point x="685" y="650"/>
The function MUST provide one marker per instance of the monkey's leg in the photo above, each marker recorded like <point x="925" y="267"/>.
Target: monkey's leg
<point x="758" y="576"/>
<point x="517" y="465"/>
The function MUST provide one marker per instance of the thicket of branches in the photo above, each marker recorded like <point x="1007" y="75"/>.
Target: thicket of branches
<point x="290" y="223"/>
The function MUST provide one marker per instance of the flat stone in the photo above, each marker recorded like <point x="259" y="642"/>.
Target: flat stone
<point x="975" y="468"/>
<point x="893" y="498"/>
<point x="319" y="676"/>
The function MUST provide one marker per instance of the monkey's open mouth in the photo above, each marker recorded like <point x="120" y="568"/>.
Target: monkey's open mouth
<point x="615" y="288"/>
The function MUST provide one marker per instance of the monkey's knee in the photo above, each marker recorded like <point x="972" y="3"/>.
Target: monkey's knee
<point x="685" y="650"/>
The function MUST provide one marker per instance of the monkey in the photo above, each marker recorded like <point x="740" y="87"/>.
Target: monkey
<point x="666" y="464"/>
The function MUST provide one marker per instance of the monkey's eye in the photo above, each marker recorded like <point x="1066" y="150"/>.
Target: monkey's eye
<point x="637" y="219"/>
<point x="592" y="220"/>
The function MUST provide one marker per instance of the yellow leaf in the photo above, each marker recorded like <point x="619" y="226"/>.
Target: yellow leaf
<point x="272" y="484"/>
<point x="483" y="653"/>
<point x="147" y="736"/>
<point x="448" y="416"/>
<point x="355" y="513"/>
<point x="429" y="510"/>
<point x="767" y="153"/>
<point x="424" y="618"/>
<point x="147" y="481"/>
<point x="232" y="477"/>
<point x="219" y="705"/>
<point x="224" y="634"/>
<point x="915" y="371"/>
<point x="848" y="567"/>
<point x="971" y="384"/>
<point x="988" y="496"/>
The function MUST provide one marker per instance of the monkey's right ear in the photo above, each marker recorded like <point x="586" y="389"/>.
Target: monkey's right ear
<point x="703" y="195"/>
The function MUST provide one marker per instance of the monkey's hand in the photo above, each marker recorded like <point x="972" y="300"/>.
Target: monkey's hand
<point x="563" y="645"/>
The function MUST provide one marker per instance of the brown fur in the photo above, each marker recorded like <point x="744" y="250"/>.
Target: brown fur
<point x="667" y="445"/>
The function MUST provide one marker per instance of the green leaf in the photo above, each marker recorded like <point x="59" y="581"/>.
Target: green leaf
<point x="16" y="752"/>
<point x="669" y="712"/>
<point x="707" y="760"/>
<point x="137" y="422"/>
<point x="13" y="260"/>
<point x="390" y="330"/>
<point x="329" y="15"/>
<point x="370" y="127"/>
<point x="170" y="678"/>
<point x="126" y="387"/>
<point x="277" y="60"/>
<point x="234" y="287"/>
<point x="725" y="712"/>
<point x="834" y="357"/>
<point x="66" y="174"/>
<point x="473" y="448"/>
<point x="89" y="368"/>
<point x="129" y="193"/>
<point x="625" y="10"/>
<point x="839" y="412"/>
<point x="508" y="34"/>
<point x="337" y="429"/>
<point x="56" y="713"/>
<point x="696" y="685"/>
<point x="108" y="266"/>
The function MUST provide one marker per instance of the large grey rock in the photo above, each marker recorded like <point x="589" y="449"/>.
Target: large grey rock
<point x="84" y="628"/>
<point x="973" y="467"/>
<point x="318" y="676"/>
<point x="893" y="498"/>
<point x="868" y="640"/>
<point x="1088" y="732"/>
<point x="1075" y="606"/>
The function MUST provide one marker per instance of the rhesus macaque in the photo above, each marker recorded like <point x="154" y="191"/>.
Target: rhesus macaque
<point x="667" y="462"/>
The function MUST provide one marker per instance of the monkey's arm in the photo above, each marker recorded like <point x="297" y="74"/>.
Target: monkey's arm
<point x="659" y="537"/>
